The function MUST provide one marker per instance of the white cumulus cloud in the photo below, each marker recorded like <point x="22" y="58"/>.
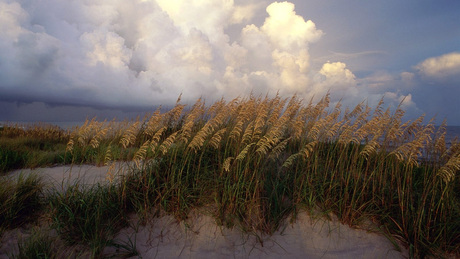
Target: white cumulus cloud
<point x="120" y="53"/>
<point x="441" y="67"/>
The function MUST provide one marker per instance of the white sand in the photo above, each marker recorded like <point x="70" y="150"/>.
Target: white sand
<point x="202" y="238"/>
<point x="61" y="177"/>
<point x="166" y="238"/>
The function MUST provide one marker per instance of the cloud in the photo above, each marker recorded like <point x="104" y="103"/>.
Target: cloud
<point x="407" y="76"/>
<point x="441" y="67"/>
<point x="287" y="30"/>
<point x="337" y="79"/>
<point x="434" y="82"/>
<point x="405" y="100"/>
<point x="125" y="54"/>
<point x="337" y="73"/>
<point x="276" y="55"/>
<point x="344" y="85"/>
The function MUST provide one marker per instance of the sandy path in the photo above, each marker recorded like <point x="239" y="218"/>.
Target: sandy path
<point x="61" y="177"/>
<point x="165" y="238"/>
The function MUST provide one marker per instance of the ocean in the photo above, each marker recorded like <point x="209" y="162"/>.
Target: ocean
<point x="452" y="132"/>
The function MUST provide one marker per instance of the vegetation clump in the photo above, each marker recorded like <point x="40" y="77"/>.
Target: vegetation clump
<point x="254" y="161"/>
<point x="21" y="201"/>
<point x="88" y="216"/>
<point x="30" y="146"/>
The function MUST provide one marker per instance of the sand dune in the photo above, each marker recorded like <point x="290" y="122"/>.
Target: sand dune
<point x="200" y="237"/>
<point x="305" y="238"/>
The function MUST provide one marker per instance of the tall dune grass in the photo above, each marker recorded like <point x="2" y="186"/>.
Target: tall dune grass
<point x="21" y="201"/>
<point x="31" y="146"/>
<point x="259" y="159"/>
<point x="254" y="161"/>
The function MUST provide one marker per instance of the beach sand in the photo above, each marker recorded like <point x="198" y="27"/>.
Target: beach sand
<point x="200" y="237"/>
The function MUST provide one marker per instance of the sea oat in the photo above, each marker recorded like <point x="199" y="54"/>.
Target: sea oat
<point x="156" y="138"/>
<point x="290" y="160"/>
<point x="167" y="143"/>
<point x="244" y="152"/>
<point x="278" y="149"/>
<point x="154" y="122"/>
<point x="142" y="151"/>
<point x="217" y="138"/>
<point x="108" y="156"/>
<point x="227" y="162"/>
<point x="450" y="169"/>
<point x="129" y="137"/>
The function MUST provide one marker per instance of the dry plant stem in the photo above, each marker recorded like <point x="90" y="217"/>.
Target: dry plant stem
<point x="257" y="159"/>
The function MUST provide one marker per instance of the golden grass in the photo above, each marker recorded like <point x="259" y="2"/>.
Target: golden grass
<point x="263" y="150"/>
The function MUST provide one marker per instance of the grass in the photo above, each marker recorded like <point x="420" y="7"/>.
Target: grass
<point x="21" y="201"/>
<point x="31" y="146"/>
<point x="255" y="161"/>
<point x="88" y="216"/>
<point x="38" y="245"/>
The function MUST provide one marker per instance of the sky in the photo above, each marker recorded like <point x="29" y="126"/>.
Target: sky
<point x="65" y="60"/>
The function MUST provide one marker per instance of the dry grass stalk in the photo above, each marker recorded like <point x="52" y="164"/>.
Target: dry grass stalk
<point x="411" y="151"/>
<point x="172" y="117"/>
<point x="452" y="150"/>
<point x="70" y="145"/>
<point x="440" y="139"/>
<point x="100" y="134"/>
<point x="218" y="106"/>
<point x="320" y="108"/>
<point x="305" y="153"/>
<point x="247" y="135"/>
<point x="278" y="106"/>
<point x="355" y="112"/>
<point x="227" y="163"/>
<point x="411" y="130"/>
<point x="199" y="139"/>
<point x="83" y="133"/>
<point x="395" y="130"/>
<point x="347" y="133"/>
<point x="167" y="143"/>
<point x="449" y="171"/>
<point x="265" y="144"/>
<point x="375" y="125"/>
<point x="142" y="151"/>
<point x="290" y="160"/>
<point x="156" y="138"/>
<point x="129" y="137"/>
<point x="278" y="149"/>
<point x="108" y="156"/>
<point x="110" y="172"/>
<point x="315" y="131"/>
<point x="189" y="122"/>
<point x="372" y="146"/>
<point x="308" y="149"/>
<point x="217" y="138"/>
<point x="333" y="130"/>
<point x="300" y="124"/>
<point x="244" y="152"/>
<point x="236" y="131"/>
<point x="271" y="138"/>
<point x="154" y="122"/>
<point x="324" y="129"/>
